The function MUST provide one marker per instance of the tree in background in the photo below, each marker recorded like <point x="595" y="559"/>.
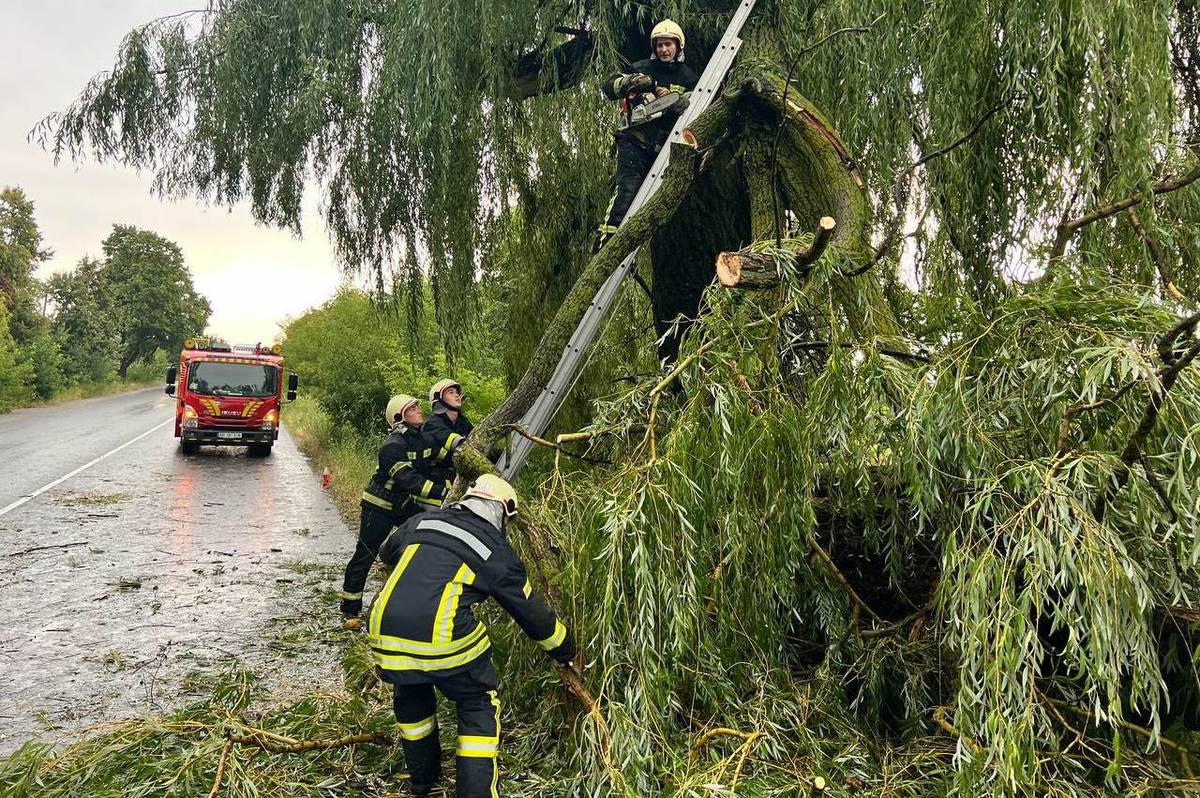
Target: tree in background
<point x="922" y="520"/>
<point x="20" y="253"/>
<point x="154" y="304"/>
<point x="84" y="324"/>
<point x="15" y="376"/>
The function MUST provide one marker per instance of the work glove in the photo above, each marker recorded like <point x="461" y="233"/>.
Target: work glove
<point x="635" y="83"/>
<point x="564" y="652"/>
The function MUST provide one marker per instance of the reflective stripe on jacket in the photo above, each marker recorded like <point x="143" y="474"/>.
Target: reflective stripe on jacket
<point x="447" y="561"/>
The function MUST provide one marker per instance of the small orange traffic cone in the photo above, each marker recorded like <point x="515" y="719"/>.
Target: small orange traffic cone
<point x="325" y="479"/>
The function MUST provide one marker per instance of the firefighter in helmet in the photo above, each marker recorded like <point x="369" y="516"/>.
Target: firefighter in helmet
<point x="636" y="146"/>
<point x="424" y="634"/>
<point x="401" y="488"/>
<point x="446" y="428"/>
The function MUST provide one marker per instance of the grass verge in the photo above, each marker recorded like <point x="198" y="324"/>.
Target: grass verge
<point x="350" y="457"/>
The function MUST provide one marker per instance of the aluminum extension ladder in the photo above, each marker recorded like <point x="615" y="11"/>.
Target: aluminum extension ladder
<point x="542" y="411"/>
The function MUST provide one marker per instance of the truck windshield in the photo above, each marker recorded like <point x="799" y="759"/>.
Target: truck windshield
<point x="233" y="379"/>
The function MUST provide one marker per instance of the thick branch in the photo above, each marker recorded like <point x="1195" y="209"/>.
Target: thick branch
<point x="300" y="746"/>
<point x="542" y="72"/>
<point x="1068" y="228"/>
<point x="747" y="269"/>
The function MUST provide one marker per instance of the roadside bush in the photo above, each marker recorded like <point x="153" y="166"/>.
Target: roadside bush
<point x="45" y="359"/>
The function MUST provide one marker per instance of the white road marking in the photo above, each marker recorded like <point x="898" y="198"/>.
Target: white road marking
<point x="82" y="468"/>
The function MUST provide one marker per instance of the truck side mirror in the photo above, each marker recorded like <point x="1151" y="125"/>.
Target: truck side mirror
<point x="171" y="372"/>
<point x="293" y="383"/>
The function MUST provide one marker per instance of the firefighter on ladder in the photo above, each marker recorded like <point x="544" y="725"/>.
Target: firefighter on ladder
<point x="424" y="634"/>
<point x="401" y="488"/>
<point x="637" y="145"/>
<point x="447" y="428"/>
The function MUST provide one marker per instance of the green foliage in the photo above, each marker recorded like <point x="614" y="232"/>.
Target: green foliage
<point x="15" y="375"/>
<point x="45" y="359"/>
<point x="982" y="526"/>
<point x="353" y="353"/>
<point x="154" y="304"/>
<point x="20" y="253"/>
<point x="83" y="323"/>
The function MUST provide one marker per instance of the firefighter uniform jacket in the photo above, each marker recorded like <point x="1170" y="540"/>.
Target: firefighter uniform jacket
<point x="403" y="477"/>
<point x="445" y="435"/>
<point x="674" y="76"/>
<point x="423" y="624"/>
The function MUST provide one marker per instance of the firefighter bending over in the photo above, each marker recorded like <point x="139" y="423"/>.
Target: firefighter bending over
<point x="447" y="428"/>
<point x="424" y="633"/>
<point x="641" y="86"/>
<point x="401" y="488"/>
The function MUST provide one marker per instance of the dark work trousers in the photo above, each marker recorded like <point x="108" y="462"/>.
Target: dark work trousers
<point x="634" y="159"/>
<point x="474" y="695"/>
<point x="373" y="527"/>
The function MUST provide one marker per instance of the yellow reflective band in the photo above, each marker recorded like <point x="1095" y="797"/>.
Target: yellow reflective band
<point x="382" y="599"/>
<point x="616" y="84"/>
<point x="419" y="730"/>
<point x="443" y="623"/>
<point x="430" y="502"/>
<point x="527" y="589"/>
<point x="402" y="645"/>
<point x="371" y="498"/>
<point x="486" y="747"/>
<point x="554" y="640"/>
<point x="351" y="596"/>
<point x="607" y="228"/>
<point x="448" y="446"/>
<point x="426" y="486"/>
<point x="396" y="467"/>
<point x="391" y="662"/>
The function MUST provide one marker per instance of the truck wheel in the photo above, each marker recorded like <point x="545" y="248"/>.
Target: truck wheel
<point x="260" y="450"/>
<point x="189" y="447"/>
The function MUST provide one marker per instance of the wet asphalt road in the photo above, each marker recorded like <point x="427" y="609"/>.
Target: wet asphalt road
<point x="148" y="565"/>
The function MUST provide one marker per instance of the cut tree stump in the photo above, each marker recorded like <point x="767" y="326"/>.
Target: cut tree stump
<point x="757" y="270"/>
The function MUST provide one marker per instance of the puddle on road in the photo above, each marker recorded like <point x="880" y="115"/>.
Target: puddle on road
<point x="158" y="566"/>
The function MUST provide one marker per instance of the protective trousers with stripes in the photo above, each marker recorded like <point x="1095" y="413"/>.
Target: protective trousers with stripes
<point x="634" y="160"/>
<point x="474" y="696"/>
<point x="373" y="528"/>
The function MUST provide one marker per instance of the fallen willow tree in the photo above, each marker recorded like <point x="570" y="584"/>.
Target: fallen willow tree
<point x="898" y="519"/>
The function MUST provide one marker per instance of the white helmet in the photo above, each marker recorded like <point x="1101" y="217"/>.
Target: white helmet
<point x="396" y="407"/>
<point x="667" y="29"/>
<point x="435" y="393"/>
<point x="493" y="488"/>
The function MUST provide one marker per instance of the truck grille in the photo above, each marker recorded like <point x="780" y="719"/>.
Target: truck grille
<point x="229" y="422"/>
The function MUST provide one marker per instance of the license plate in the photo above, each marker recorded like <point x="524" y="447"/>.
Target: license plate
<point x="229" y="435"/>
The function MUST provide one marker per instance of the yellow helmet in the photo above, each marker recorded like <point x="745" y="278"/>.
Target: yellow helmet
<point x="435" y="393"/>
<point x="396" y="408"/>
<point x="492" y="487"/>
<point x="667" y="29"/>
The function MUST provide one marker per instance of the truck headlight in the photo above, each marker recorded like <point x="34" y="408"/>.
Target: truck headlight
<point x="270" y="420"/>
<point x="189" y="418"/>
<point x="190" y="423"/>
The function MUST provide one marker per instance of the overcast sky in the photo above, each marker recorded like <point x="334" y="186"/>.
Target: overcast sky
<point x="253" y="276"/>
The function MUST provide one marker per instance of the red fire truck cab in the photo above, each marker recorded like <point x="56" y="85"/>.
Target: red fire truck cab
<point x="228" y="396"/>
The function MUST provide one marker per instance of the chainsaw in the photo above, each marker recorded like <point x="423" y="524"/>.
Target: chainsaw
<point x="672" y="102"/>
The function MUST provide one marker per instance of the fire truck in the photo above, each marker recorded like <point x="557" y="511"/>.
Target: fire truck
<point x="228" y="396"/>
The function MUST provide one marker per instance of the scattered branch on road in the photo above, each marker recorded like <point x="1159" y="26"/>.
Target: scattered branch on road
<point x="47" y="548"/>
